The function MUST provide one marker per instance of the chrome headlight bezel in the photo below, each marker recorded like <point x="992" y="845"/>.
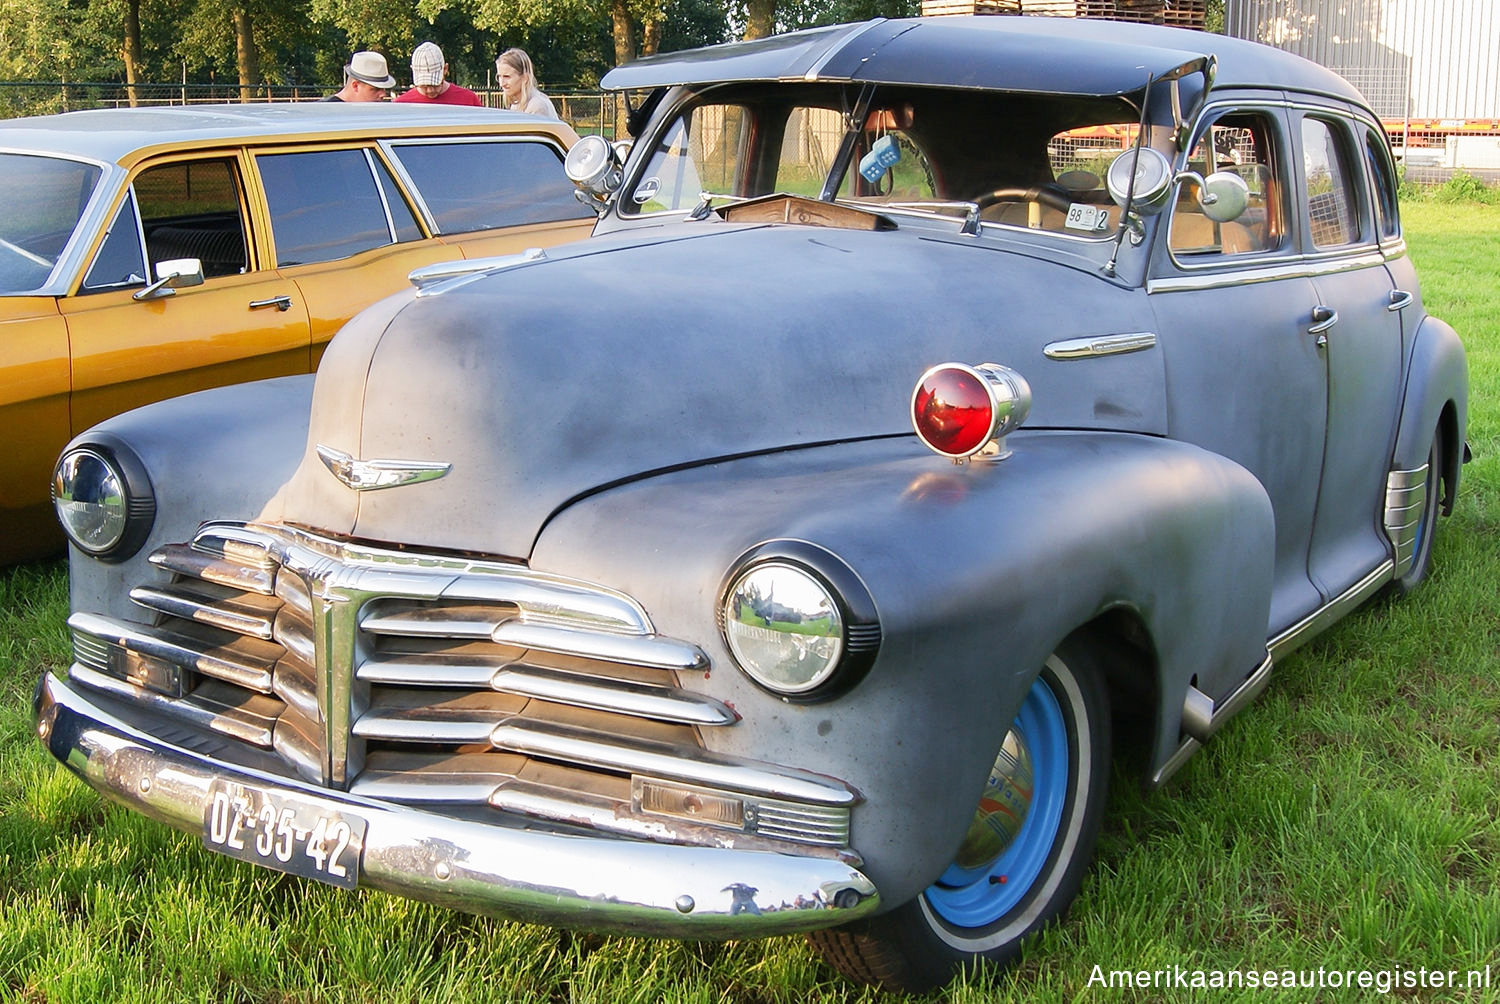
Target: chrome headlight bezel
<point x="849" y="641"/>
<point x="117" y="495"/>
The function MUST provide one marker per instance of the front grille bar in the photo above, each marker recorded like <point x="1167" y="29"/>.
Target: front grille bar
<point x="241" y="661"/>
<point x="570" y="744"/>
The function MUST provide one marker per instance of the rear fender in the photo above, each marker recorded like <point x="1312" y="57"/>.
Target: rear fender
<point x="977" y="573"/>
<point x="1437" y="390"/>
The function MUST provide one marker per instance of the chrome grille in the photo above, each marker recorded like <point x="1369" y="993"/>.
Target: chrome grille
<point x="445" y="681"/>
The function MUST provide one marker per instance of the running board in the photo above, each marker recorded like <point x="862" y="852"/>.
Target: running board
<point x="1201" y="717"/>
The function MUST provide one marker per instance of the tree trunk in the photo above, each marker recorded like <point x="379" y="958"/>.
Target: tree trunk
<point x="246" y="55"/>
<point x="651" y="34"/>
<point x="624" y="32"/>
<point x="760" y="19"/>
<point x="131" y="51"/>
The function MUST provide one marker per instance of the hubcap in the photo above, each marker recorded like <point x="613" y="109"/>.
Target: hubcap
<point x="1003" y="807"/>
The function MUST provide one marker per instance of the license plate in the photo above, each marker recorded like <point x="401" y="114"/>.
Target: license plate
<point x="284" y="832"/>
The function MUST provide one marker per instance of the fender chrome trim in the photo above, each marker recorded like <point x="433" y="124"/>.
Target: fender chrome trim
<point x="1090" y="346"/>
<point x="628" y="886"/>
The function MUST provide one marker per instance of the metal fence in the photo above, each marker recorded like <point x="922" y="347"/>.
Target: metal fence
<point x="587" y="111"/>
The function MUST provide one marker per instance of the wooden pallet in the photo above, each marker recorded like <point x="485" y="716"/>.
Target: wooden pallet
<point x="1180" y="13"/>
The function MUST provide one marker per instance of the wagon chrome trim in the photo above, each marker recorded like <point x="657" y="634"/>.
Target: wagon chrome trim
<point x="629" y="886"/>
<point x="1090" y="346"/>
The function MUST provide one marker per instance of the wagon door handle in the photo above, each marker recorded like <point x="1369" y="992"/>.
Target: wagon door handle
<point x="1323" y="319"/>
<point x="1400" y="300"/>
<point x="279" y="302"/>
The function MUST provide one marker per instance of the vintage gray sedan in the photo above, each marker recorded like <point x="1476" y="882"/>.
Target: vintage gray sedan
<point x="940" y="409"/>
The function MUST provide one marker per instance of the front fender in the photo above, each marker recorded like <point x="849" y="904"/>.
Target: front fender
<point x="977" y="573"/>
<point x="216" y="454"/>
<point x="1437" y="385"/>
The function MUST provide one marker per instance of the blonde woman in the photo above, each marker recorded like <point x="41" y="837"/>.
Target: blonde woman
<point x="518" y="84"/>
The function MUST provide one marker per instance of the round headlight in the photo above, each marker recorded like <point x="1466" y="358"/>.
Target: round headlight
<point x="783" y="627"/>
<point x="798" y="621"/>
<point x="105" y="505"/>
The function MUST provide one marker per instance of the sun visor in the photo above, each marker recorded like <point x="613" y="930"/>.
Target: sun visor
<point x="1027" y="54"/>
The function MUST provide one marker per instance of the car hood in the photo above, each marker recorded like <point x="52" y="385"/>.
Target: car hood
<point x="652" y="350"/>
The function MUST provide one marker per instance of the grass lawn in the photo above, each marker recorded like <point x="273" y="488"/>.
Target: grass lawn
<point x="1350" y="820"/>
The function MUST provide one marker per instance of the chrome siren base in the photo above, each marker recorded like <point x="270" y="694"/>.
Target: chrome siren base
<point x="597" y="883"/>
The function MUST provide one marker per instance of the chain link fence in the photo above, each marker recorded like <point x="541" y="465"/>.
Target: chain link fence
<point x="587" y="111"/>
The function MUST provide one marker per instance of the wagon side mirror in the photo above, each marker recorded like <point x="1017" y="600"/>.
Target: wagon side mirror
<point x="172" y="275"/>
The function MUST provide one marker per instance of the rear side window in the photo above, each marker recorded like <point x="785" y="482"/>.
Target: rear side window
<point x="1328" y="185"/>
<point x="330" y="204"/>
<point x="483" y="186"/>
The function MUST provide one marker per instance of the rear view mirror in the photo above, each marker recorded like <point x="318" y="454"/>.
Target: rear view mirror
<point x="172" y="275"/>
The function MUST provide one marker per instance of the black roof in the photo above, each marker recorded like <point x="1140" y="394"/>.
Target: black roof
<point x="1035" y="54"/>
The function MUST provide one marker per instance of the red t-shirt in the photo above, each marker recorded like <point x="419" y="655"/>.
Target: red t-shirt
<point x="454" y="95"/>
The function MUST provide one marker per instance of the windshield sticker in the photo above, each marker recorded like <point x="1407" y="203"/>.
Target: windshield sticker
<point x="1084" y="217"/>
<point x="646" y="190"/>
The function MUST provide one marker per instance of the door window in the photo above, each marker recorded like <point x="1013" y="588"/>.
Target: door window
<point x="484" y="186"/>
<point x="329" y="204"/>
<point x="1240" y="143"/>
<point x="193" y="209"/>
<point x="1328" y="186"/>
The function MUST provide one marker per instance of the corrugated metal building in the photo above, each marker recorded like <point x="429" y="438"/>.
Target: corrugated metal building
<point x="1423" y="61"/>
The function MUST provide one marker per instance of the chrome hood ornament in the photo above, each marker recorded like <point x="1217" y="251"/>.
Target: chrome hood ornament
<point x="368" y="475"/>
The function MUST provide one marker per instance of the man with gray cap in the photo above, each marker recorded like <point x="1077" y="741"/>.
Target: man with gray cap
<point x="427" y="84"/>
<point x="366" y="78"/>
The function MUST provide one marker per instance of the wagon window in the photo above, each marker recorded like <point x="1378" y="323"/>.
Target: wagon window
<point x="1240" y="143"/>
<point x="193" y="209"/>
<point x="1328" y="186"/>
<point x="481" y="186"/>
<point x="325" y="205"/>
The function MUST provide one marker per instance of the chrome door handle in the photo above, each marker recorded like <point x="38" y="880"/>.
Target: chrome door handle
<point x="1323" y="319"/>
<point x="279" y="302"/>
<point x="1400" y="300"/>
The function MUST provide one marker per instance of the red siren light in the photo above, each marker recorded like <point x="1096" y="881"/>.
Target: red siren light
<point x="962" y="411"/>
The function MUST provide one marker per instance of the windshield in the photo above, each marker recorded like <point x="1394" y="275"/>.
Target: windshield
<point x="1027" y="160"/>
<point x="35" y="228"/>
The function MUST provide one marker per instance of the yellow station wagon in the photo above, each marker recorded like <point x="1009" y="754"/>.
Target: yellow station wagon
<point x="149" y="252"/>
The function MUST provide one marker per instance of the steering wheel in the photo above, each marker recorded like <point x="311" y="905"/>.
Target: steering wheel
<point x="1052" y="196"/>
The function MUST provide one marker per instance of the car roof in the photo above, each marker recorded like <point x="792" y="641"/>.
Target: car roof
<point x="1057" y="55"/>
<point x="115" y="134"/>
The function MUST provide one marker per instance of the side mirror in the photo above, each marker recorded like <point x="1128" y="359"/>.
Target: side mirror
<point x="594" y="166"/>
<point x="172" y="275"/>
<point x="1223" y="194"/>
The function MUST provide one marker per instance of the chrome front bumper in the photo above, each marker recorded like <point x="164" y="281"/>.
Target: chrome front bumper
<point x="572" y="881"/>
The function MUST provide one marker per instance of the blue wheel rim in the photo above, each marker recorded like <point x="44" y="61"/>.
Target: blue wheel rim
<point x="1425" y="523"/>
<point x="980" y="897"/>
